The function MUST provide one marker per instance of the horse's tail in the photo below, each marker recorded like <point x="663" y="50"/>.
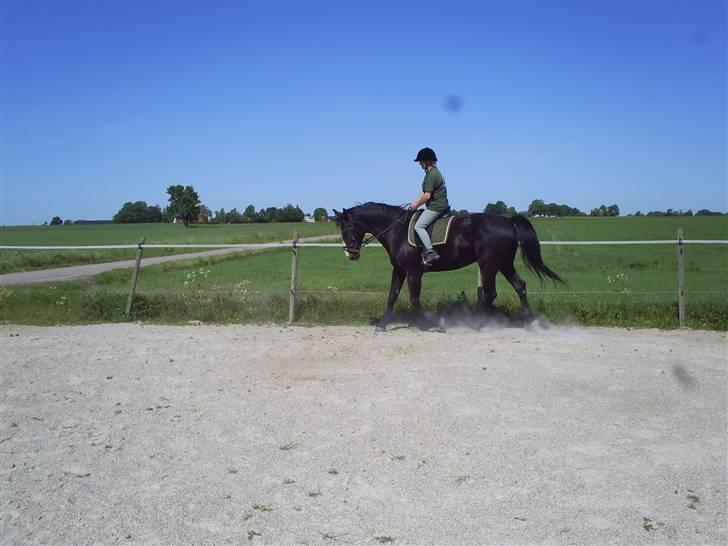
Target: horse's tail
<point x="531" y="249"/>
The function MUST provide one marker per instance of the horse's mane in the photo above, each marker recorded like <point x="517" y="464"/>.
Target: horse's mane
<point x="378" y="206"/>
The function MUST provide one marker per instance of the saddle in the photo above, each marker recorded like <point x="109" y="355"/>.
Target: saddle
<point x="439" y="230"/>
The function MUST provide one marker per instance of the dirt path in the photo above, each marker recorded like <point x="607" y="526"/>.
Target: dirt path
<point x="59" y="274"/>
<point x="268" y="435"/>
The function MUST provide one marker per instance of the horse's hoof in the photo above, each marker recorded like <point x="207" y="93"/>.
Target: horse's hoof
<point x="380" y="328"/>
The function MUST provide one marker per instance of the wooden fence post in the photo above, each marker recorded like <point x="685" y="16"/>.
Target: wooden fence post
<point x="294" y="280"/>
<point x="681" y="278"/>
<point x="134" y="276"/>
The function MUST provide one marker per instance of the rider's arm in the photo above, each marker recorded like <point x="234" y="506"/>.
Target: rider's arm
<point x="421" y="200"/>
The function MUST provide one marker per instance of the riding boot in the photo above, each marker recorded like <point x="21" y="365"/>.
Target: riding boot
<point x="430" y="256"/>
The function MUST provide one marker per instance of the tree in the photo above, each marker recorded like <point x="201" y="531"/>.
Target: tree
<point x="154" y="214"/>
<point x="601" y="211"/>
<point x="268" y="215"/>
<point x="184" y="202"/>
<point x="234" y="217"/>
<point x="537" y="207"/>
<point x="56" y="221"/>
<point x="613" y="210"/>
<point x="706" y="212"/>
<point x="249" y="214"/>
<point x="137" y="213"/>
<point x="67" y="222"/>
<point x="205" y="212"/>
<point x="289" y="213"/>
<point x="499" y="207"/>
<point x="320" y="214"/>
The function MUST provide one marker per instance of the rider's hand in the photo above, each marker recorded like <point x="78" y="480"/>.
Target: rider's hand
<point x="413" y="206"/>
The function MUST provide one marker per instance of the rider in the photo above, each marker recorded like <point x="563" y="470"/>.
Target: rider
<point x="434" y="196"/>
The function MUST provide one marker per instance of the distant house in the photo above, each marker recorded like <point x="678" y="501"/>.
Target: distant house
<point x="308" y="218"/>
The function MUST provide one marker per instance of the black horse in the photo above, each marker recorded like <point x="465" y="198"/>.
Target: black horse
<point x="489" y="239"/>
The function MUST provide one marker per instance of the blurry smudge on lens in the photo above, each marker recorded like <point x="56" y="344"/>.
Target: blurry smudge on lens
<point x="700" y="37"/>
<point x="453" y="103"/>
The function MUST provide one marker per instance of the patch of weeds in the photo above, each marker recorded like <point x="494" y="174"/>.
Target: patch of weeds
<point x="398" y="458"/>
<point x="288" y="481"/>
<point x="384" y="539"/>
<point x="462" y="479"/>
<point x="520" y="519"/>
<point x="103" y="305"/>
<point x="289" y="446"/>
<point x="694" y="499"/>
<point x="196" y="277"/>
<point x="331" y="536"/>
<point x="253" y="534"/>
<point x="5" y="294"/>
<point x="247" y="516"/>
<point x="333" y="471"/>
<point x="231" y="470"/>
<point x="262" y="508"/>
<point x="314" y="494"/>
<point x="647" y="524"/>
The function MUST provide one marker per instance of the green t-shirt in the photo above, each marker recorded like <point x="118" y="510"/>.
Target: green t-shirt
<point x="434" y="183"/>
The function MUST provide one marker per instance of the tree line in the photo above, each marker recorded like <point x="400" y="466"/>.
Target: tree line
<point x="185" y="205"/>
<point x="540" y="208"/>
<point x="250" y="215"/>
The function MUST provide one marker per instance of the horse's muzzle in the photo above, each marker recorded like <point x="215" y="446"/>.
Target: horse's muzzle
<point x="351" y="254"/>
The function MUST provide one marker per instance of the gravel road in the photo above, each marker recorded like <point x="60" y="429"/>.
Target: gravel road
<point x="264" y="435"/>
<point x="59" y="274"/>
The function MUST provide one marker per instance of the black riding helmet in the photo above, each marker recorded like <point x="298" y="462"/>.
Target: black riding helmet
<point x="426" y="154"/>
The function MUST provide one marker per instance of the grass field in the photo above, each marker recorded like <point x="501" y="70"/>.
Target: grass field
<point x="631" y="285"/>
<point x="120" y="234"/>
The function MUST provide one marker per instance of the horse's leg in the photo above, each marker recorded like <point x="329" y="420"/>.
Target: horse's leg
<point x="414" y="284"/>
<point x="487" y="277"/>
<point x="398" y="276"/>
<point x="519" y="286"/>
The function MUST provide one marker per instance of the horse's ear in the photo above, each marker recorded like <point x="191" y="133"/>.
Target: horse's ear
<point x="336" y="213"/>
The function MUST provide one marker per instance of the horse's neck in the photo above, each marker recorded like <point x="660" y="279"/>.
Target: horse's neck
<point x="375" y="221"/>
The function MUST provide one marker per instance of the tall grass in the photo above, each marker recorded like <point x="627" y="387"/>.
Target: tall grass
<point x="614" y="286"/>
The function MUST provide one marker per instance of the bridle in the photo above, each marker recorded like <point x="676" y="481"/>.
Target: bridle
<point x="356" y="248"/>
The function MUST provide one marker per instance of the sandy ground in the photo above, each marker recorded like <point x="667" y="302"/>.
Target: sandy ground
<point x="265" y="435"/>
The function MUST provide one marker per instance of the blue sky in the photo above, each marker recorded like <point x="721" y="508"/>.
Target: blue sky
<point x="326" y="104"/>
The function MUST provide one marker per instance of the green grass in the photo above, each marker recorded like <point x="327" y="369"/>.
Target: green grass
<point x="118" y="234"/>
<point x="631" y="228"/>
<point x="633" y="285"/>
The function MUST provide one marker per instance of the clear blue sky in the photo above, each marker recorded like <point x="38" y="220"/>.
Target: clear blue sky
<point x="326" y="104"/>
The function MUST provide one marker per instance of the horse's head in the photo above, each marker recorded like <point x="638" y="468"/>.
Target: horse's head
<point x="352" y="234"/>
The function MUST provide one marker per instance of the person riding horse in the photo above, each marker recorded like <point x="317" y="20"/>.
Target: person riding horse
<point x="434" y="197"/>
